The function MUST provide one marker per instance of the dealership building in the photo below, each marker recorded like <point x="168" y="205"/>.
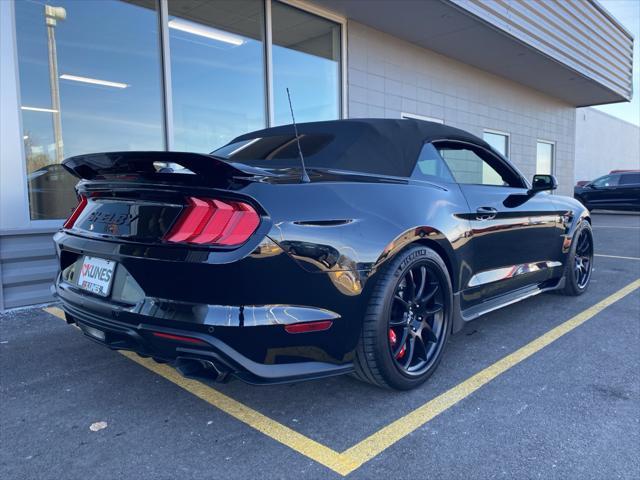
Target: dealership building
<point x="604" y="143"/>
<point x="106" y="75"/>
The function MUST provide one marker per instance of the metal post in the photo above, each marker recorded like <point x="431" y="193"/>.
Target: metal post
<point x="52" y="15"/>
<point x="268" y="64"/>
<point x="167" y="94"/>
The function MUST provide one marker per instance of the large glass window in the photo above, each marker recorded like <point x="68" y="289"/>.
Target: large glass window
<point x="544" y="158"/>
<point x="306" y="59"/>
<point x="89" y="81"/>
<point x="217" y="71"/>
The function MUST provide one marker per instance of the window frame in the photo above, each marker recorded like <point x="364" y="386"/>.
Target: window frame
<point x="415" y="116"/>
<point x="504" y="134"/>
<point x="502" y="161"/>
<point x="553" y="154"/>
<point x="20" y="217"/>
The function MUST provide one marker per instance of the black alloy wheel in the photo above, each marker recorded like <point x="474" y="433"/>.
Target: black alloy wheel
<point x="583" y="258"/>
<point x="416" y="325"/>
<point x="579" y="261"/>
<point x="408" y="321"/>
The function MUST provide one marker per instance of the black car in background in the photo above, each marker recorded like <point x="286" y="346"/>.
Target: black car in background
<point x="239" y="264"/>
<point x="616" y="191"/>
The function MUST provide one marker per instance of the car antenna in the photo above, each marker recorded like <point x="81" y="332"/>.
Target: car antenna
<point x="304" y="178"/>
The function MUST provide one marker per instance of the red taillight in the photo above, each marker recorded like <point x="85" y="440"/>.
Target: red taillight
<point x="76" y="213"/>
<point x="214" y="222"/>
<point x="179" y="338"/>
<point x="308" y="326"/>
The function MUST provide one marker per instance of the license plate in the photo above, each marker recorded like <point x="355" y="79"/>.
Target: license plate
<point x="96" y="275"/>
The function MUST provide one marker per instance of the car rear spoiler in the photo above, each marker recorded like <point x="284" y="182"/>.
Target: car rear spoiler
<point x="97" y="166"/>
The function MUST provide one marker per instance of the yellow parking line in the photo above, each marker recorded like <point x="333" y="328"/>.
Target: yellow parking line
<point x="279" y="432"/>
<point x="625" y="227"/>
<point x="616" y="256"/>
<point x="55" y="311"/>
<point x="354" y="457"/>
<point x="387" y="436"/>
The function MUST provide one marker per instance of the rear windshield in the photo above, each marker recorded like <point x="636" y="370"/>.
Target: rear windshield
<point x="360" y="150"/>
<point x="277" y="151"/>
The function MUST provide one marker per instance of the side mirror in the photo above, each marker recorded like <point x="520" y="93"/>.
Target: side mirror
<point x="543" y="182"/>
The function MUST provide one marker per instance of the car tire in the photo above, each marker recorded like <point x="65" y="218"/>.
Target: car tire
<point x="425" y="334"/>
<point x="579" y="263"/>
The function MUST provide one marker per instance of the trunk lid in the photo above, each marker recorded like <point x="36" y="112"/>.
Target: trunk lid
<point x="144" y="196"/>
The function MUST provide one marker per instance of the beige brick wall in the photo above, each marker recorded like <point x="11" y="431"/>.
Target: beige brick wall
<point x="387" y="76"/>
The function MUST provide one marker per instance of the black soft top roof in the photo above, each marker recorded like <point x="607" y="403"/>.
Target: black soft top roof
<point x="375" y="145"/>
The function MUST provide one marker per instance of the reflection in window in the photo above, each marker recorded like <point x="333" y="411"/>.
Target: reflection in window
<point x="216" y="71"/>
<point x="89" y="81"/>
<point x="500" y="143"/>
<point x="275" y="150"/>
<point x="544" y="158"/>
<point x="430" y="165"/>
<point x="468" y="166"/>
<point x="306" y="59"/>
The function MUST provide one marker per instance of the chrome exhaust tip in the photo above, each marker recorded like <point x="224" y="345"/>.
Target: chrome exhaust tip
<point x="199" y="369"/>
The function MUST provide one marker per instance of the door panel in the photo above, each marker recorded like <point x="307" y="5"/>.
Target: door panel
<point x="629" y="186"/>
<point x="630" y="197"/>
<point x="515" y="240"/>
<point x="603" y="192"/>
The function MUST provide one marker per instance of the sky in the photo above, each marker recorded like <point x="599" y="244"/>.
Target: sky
<point x="627" y="12"/>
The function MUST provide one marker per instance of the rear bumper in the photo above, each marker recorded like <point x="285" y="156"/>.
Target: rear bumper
<point x="237" y="304"/>
<point x="125" y="330"/>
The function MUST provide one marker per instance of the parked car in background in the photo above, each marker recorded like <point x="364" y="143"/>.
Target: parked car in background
<point x="620" y="190"/>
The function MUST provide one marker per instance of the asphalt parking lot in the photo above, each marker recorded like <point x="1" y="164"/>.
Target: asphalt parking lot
<point x="565" y="405"/>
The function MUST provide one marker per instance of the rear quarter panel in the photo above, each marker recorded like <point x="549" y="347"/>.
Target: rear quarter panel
<point x="350" y="229"/>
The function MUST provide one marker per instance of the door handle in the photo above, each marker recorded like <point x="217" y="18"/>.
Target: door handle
<point x="486" y="213"/>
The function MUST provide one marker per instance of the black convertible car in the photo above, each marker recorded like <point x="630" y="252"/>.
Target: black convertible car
<point x="245" y="263"/>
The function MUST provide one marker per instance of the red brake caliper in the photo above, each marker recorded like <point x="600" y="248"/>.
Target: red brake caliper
<point x="393" y="339"/>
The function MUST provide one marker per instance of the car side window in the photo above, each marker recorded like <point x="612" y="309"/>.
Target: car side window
<point x="430" y="166"/>
<point x="630" y="179"/>
<point x="607" y="181"/>
<point x="473" y="165"/>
